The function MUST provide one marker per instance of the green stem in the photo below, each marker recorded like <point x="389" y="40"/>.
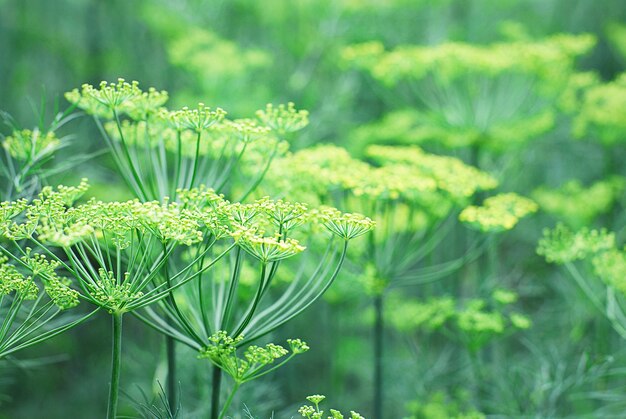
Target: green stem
<point x="215" y="392"/>
<point x="141" y="192"/>
<point x="172" y="393"/>
<point x="195" y="160"/>
<point x="255" y="303"/>
<point x="179" y="162"/>
<point x="116" y="365"/>
<point x="378" y="356"/>
<point x="229" y="400"/>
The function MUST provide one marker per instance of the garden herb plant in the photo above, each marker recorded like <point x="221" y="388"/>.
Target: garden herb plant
<point x="159" y="151"/>
<point x="414" y="196"/>
<point x="128" y="257"/>
<point x="477" y="326"/>
<point x="593" y="260"/>
<point x="115" y="251"/>
<point x="263" y="233"/>
<point x="25" y="160"/>
<point x="458" y="94"/>
<point x="30" y="315"/>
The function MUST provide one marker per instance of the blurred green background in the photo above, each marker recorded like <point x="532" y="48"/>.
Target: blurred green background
<point x="242" y="54"/>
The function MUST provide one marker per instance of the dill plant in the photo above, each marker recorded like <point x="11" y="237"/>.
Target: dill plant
<point x="216" y="318"/>
<point x="31" y="315"/>
<point x="497" y="96"/>
<point x="174" y="161"/>
<point x="592" y="258"/>
<point x="415" y="197"/>
<point x="25" y="160"/>
<point x="112" y="251"/>
<point x="159" y="151"/>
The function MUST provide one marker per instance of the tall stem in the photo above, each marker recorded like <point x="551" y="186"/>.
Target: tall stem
<point x="215" y="392"/>
<point x="378" y="356"/>
<point x="172" y="390"/>
<point x="116" y="365"/>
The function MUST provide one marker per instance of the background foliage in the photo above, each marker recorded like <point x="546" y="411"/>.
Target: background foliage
<point x="504" y="334"/>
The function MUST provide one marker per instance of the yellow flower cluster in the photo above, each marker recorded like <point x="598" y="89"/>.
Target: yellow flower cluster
<point x="547" y="60"/>
<point x="405" y="174"/>
<point x="498" y="213"/>
<point x="196" y="120"/>
<point x="27" y="145"/>
<point x="601" y="114"/>
<point x="610" y="266"/>
<point x="450" y="174"/>
<point x="347" y="226"/>
<point x="578" y="205"/>
<point x="256" y="360"/>
<point x="283" y="118"/>
<point x="266" y="249"/>
<point x="562" y="245"/>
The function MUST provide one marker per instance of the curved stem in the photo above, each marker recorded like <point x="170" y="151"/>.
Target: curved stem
<point x="116" y="365"/>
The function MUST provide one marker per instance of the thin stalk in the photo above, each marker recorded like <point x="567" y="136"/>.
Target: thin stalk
<point x="177" y="167"/>
<point x="232" y="291"/>
<point x="195" y="160"/>
<point x="229" y="400"/>
<point x="116" y="365"/>
<point x="215" y="392"/>
<point x="255" y="302"/>
<point x="170" y="347"/>
<point x="260" y="178"/>
<point x="378" y="356"/>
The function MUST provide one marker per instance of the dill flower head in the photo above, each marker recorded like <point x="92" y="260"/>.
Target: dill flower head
<point x="285" y="215"/>
<point x="247" y="130"/>
<point x="610" y="266"/>
<point x="283" y="118"/>
<point x="314" y="412"/>
<point x="38" y="267"/>
<point x="59" y="291"/>
<point x="144" y="104"/>
<point x="200" y="198"/>
<point x="222" y="351"/>
<point x="546" y="59"/>
<point x="112" y="293"/>
<point x="27" y="145"/>
<point x="110" y="95"/>
<point x="601" y="112"/>
<point x="198" y="119"/>
<point x="13" y="281"/>
<point x="44" y="215"/>
<point x="474" y="318"/>
<point x="562" y="245"/>
<point x="266" y="249"/>
<point x="297" y="346"/>
<point x="498" y="213"/>
<point x="345" y="225"/>
<point x="120" y="97"/>
<point x="450" y="174"/>
<point x="578" y="205"/>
